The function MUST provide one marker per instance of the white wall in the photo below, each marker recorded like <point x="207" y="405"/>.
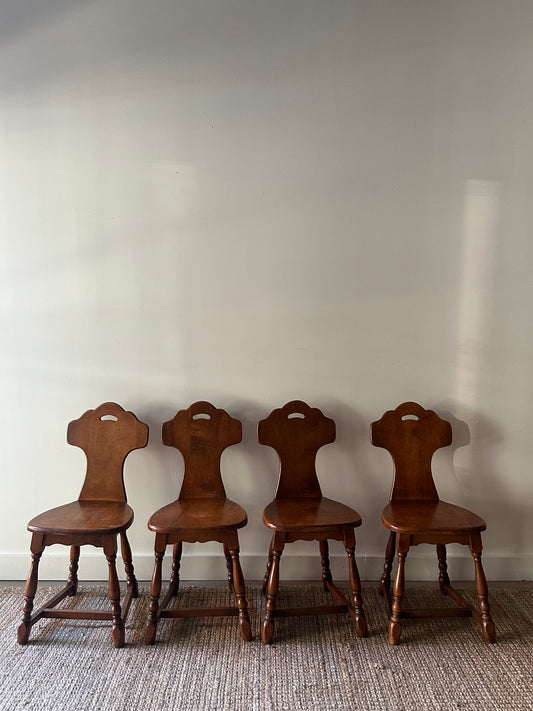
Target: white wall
<point x="250" y="202"/>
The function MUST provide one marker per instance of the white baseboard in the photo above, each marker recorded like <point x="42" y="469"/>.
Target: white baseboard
<point x="93" y="566"/>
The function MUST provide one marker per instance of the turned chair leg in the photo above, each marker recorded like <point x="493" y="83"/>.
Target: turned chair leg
<point x="174" y="584"/>
<point x="155" y="592"/>
<point x="444" y="579"/>
<point x="487" y="624"/>
<point x="131" y="580"/>
<point x="355" y="583"/>
<point x="385" y="582"/>
<point x="229" y="566"/>
<point x="239" y="590"/>
<point x="269" y="566"/>
<point x="118" y="632"/>
<point x="326" y="570"/>
<point x="37" y="547"/>
<point x="73" y="570"/>
<point x="278" y="543"/>
<point x="395" y="626"/>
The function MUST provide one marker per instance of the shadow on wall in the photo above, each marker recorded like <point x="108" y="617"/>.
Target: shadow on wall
<point x="350" y="470"/>
<point x="475" y="480"/>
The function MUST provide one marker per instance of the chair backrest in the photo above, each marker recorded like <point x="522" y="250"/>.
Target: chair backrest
<point x="297" y="431"/>
<point x="201" y="434"/>
<point x="412" y="435"/>
<point x="107" y="435"/>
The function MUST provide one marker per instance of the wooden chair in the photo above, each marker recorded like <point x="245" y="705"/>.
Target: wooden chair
<point x="300" y="512"/>
<point x="416" y="515"/>
<point x="201" y="513"/>
<point x="106" y="435"/>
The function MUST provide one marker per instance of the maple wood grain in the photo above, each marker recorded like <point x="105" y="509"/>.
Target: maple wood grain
<point x="300" y="512"/>
<point x="201" y="513"/>
<point x="416" y="515"/>
<point x="107" y="435"/>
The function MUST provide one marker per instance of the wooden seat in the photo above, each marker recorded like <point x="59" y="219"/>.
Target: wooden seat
<point x="300" y="512"/>
<point x="106" y="435"/>
<point x="201" y="513"/>
<point x="416" y="515"/>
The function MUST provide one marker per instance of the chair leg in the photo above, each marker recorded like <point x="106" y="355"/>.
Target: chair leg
<point x="237" y="582"/>
<point x="444" y="579"/>
<point x="385" y="582"/>
<point x="229" y="566"/>
<point x="131" y="580"/>
<point x="395" y="627"/>
<point x="355" y="583"/>
<point x="269" y="566"/>
<point x="326" y="570"/>
<point x="36" y="547"/>
<point x="174" y="585"/>
<point x="278" y="543"/>
<point x="155" y="591"/>
<point x="487" y="624"/>
<point x="118" y="633"/>
<point x="73" y="570"/>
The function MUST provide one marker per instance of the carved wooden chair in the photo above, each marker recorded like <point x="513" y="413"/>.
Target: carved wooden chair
<point x="106" y="435"/>
<point x="300" y="512"/>
<point x="416" y="515"/>
<point x="201" y="513"/>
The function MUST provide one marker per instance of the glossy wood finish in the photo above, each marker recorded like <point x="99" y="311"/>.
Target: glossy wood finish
<point x="300" y="512"/>
<point x="106" y="435"/>
<point x="415" y="515"/>
<point x="201" y="513"/>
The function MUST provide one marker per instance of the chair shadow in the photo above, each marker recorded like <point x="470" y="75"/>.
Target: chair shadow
<point x="471" y="476"/>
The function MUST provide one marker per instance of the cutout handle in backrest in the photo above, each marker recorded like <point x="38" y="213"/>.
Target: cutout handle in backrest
<point x="201" y="434"/>
<point x="412" y="435"/>
<point x="297" y="431"/>
<point x="107" y="435"/>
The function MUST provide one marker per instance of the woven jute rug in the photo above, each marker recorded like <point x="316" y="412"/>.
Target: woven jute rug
<point x="313" y="663"/>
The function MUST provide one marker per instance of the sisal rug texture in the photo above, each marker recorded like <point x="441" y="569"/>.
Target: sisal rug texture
<point x="314" y="663"/>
